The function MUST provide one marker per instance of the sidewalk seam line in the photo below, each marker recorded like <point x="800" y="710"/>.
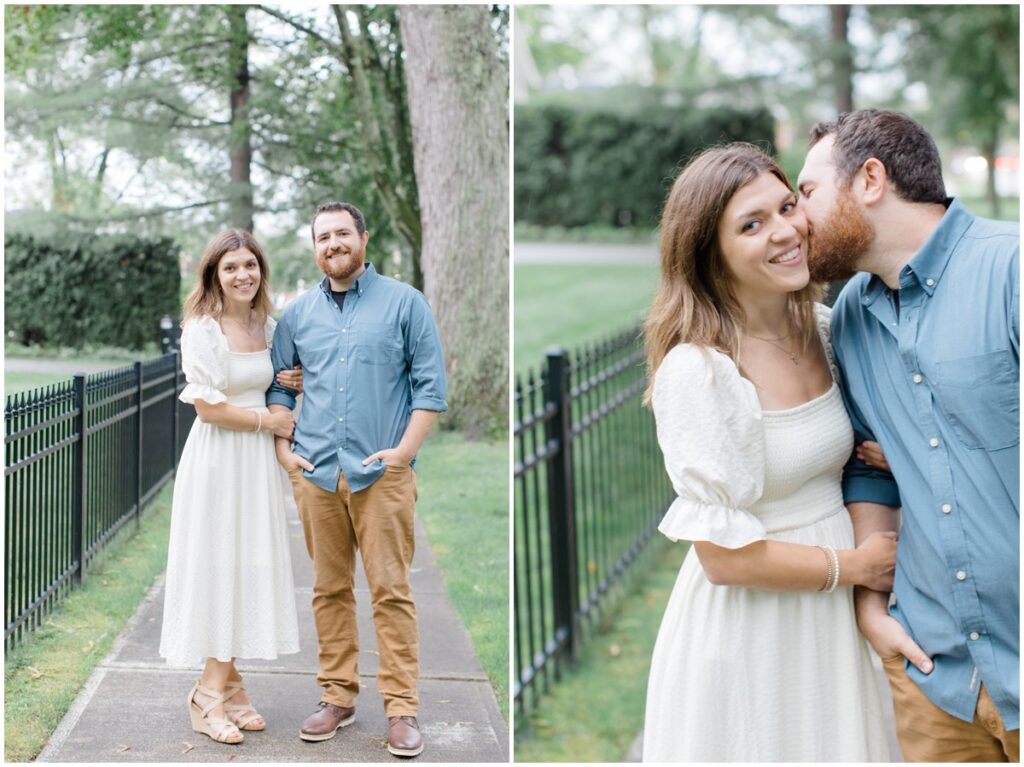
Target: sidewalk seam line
<point x="85" y="695"/>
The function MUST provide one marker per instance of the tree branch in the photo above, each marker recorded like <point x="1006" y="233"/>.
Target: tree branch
<point x="143" y="213"/>
<point x="299" y="26"/>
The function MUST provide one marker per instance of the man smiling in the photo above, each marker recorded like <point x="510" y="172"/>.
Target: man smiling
<point x="374" y="382"/>
<point x="927" y="337"/>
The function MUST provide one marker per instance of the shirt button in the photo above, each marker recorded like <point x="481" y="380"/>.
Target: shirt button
<point x="929" y="282"/>
<point x="974" y="635"/>
<point x="341" y="388"/>
<point x="918" y="378"/>
<point x="344" y="330"/>
<point x="934" y="442"/>
<point x="341" y="419"/>
<point x="946" y="508"/>
<point x="961" y="575"/>
<point x="342" y="359"/>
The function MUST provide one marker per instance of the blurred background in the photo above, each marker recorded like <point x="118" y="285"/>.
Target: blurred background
<point x="609" y="102"/>
<point x="134" y="133"/>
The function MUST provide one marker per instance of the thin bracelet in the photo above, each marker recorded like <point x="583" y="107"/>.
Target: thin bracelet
<point x="835" y="571"/>
<point x="259" y="421"/>
<point x="828" y="568"/>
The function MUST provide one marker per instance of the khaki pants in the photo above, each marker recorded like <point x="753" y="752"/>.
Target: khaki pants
<point x="928" y="734"/>
<point x="377" y="520"/>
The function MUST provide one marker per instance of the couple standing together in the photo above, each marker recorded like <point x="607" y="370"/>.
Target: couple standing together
<point x="365" y="351"/>
<point x="760" y="394"/>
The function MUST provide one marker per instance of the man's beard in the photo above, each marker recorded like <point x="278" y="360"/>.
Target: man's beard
<point x="835" y="246"/>
<point x="341" y="266"/>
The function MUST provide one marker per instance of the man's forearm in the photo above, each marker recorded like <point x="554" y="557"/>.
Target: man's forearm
<point x="419" y="426"/>
<point x="281" y="444"/>
<point x="868" y="518"/>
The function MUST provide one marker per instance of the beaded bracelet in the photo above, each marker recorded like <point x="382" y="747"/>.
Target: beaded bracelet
<point x="828" y="568"/>
<point x="835" y="570"/>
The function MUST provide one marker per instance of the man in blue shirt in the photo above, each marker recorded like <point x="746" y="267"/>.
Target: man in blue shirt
<point x="373" y="384"/>
<point x="927" y="340"/>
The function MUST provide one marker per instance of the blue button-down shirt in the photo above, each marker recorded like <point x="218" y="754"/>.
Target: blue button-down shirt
<point x="934" y="379"/>
<point x="364" y="370"/>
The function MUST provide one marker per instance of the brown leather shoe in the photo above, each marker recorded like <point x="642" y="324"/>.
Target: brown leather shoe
<point x="404" y="737"/>
<point x="326" y="722"/>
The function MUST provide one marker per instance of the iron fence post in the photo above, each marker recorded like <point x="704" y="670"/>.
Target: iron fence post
<point x="138" y="445"/>
<point x="562" y="518"/>
<point x="79" y="494"/>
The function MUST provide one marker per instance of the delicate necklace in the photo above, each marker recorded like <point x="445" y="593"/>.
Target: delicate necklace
<point x="792" y="355"/>
<point x="249" y="330"/>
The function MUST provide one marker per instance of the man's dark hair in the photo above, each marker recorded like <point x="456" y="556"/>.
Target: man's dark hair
<point x="901" y="144"/>
<point x="331" y="207"/>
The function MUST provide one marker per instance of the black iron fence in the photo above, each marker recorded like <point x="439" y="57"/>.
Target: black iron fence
<point x="82" y="458"/>
<point x="590" y="488"/>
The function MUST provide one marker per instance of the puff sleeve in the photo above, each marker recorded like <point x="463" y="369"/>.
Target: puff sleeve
<point x="204" y="362"/>
<point x="710" y="431"/>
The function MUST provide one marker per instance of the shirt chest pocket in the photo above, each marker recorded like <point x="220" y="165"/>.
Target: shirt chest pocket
<point x="376" y="345"/>
<point x="980" y="396"/>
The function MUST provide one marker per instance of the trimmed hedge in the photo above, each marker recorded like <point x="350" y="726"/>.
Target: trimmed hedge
<point x="578" y="166"/>
<point x="76" y="289"/>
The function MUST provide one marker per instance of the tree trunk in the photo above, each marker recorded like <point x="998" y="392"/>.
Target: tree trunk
<point x="458" y="97"/>
<point x="240" y="142"/>
<point x="842" y="58"/>
<point x="990" y="150"/>
<point x="382" y="147"/>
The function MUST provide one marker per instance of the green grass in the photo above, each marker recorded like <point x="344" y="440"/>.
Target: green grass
<point x="113" y="357"/>
<point x="463" y="501"/>
<point x="116" y="355"/>
<point x="572" y="305"/>
<point x="596" y="711"/>
<point x="18" y="382"/>
<point x="43" y="675"/>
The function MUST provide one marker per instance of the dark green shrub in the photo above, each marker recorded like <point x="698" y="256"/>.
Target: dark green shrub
<point x="75" y="289"/>
<point x="576" y="166"/>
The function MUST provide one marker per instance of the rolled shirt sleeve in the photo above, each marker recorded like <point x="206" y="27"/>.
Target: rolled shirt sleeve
<point x="863" y="483"/>
<point x="283" y="357"/>
<point x="425" y="358"/>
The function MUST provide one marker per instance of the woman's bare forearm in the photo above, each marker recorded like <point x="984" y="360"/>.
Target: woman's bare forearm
<point x="228" y="416"/>
<point x="776" y="565"/>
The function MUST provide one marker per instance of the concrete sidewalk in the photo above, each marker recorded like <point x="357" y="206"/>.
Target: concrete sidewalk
<point x="133" y="708"/>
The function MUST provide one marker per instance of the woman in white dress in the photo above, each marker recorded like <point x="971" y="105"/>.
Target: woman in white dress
<point x="229" y="591"/>
<point x="758" y="657"/>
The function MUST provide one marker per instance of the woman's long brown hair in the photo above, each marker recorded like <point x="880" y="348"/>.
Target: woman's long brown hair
<point x="206" y="297"/>
<point x="694" y="302"/>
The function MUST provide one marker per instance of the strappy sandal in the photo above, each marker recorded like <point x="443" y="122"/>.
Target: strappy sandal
<point x="219" y="729"/>
<point x="243" y="715"/>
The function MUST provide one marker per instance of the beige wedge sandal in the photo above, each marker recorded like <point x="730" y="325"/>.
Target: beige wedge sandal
<point x="219" y="729"/>
<point x="243" y="715"/>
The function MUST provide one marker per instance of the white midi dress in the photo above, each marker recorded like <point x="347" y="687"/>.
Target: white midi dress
<point x="741" y="674"/>
<point x="229" y="591"/>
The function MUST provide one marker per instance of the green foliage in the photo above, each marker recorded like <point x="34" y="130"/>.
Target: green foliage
<point x="99" y="289"/>
<point x="577" y="166"/>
